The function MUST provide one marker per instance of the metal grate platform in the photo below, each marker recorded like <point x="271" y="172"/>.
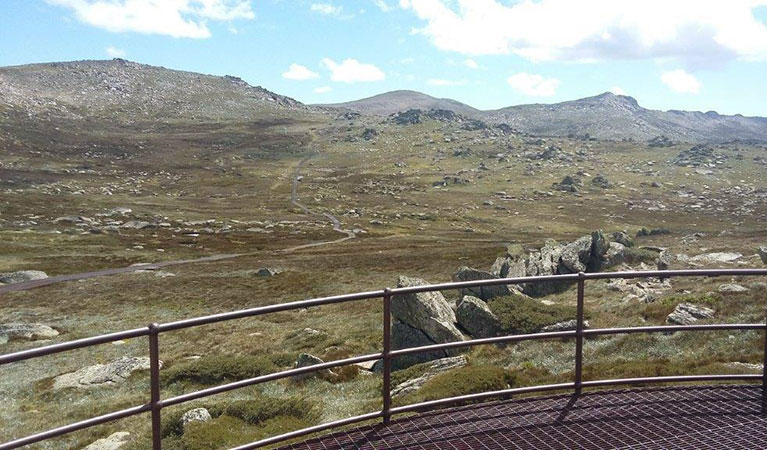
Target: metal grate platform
<point x="691" y="417"/>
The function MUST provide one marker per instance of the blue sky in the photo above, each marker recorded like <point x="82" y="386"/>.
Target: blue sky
<point x="682" y="54"/>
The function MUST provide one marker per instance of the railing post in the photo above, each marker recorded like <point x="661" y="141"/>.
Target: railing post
<point x="386" y="391"/>
<point x="154" y="381"/>
<point x="579" y="334"/>
<point x="764" y="370"/>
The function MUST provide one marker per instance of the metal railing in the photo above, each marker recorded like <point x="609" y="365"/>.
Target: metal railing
<point x="153" y="331"/>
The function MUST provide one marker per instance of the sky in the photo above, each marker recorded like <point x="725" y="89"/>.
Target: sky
<point x="671" y="54"/>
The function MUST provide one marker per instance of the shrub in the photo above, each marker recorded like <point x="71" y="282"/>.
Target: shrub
<point x="263" y="408"/>
<point x="633" y="255"/>
<point x="529" y="375"/>
<point x="461" y="381"/>
<point x="225" y="368"/>
<point x="222" y="432"/>
<point x="519" y="314"/>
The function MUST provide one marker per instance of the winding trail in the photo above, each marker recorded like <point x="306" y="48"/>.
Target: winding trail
<point x="348" y="234"/>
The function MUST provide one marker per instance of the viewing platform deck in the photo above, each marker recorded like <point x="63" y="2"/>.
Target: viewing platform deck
<point x="681" y="417"/>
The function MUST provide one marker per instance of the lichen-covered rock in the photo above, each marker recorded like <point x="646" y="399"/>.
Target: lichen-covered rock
<point x="112" y="442"/>
<point x="102" y="374"/>
<point x="732" y="288"/>
<point x="622" y="237"/>
<point x="663" y="262"/>
<point x="686" y="314"/>
<point x="405" y="336"/>
<point x="476" y="318"/>
<point x="195" y="415"/>
<point x="576" y="255"/>
<point x="484" y="292"/>
<point x="616" y="255"/>
<point x="25" y="331"/>
<point x="428" y="312"/>
<point x="22" y="276"/>
<point x="763" y="253"/>
<point x="435" y="368"/>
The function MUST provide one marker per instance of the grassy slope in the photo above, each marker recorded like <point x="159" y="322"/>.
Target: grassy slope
<point x="242" y="171"/>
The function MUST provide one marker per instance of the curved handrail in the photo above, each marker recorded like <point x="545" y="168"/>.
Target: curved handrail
<point x="153" y="330"/>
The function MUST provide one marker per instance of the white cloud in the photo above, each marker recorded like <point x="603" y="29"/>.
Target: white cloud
<point x="441" y="82"/>
<point x="115" y="52"/>
<point x="351" y="71"/>
<point x="693" y="31"/>
<point x="176" y="18"/>
<point x="327" y="9"/>
<point x="533" y="85"/>
<point x="470" y="63"/>
<point x="299" y="72"/>
<point x="618" y="90"/>
<point x="322" y="89"/>
<point x="681" y="82"/>
<point x="382" y="5"/>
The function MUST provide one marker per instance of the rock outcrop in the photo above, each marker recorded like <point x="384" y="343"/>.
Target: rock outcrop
<point x="435" y="368"/>
<point x="22" y="276"/>
<point x="686" y="314"/>
<point x="476" y="318"/>
<point x="483" y="292"/>
<point x="102" y="374"/>
<point x="25" y="331"/>
<point x="424" y="318"/>
<point x="587" y="254"/>
<point x="195" y="415"/>
<point x="763" y="253"/>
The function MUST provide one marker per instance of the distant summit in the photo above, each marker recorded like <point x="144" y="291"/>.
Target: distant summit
<point x="398" y="101"/>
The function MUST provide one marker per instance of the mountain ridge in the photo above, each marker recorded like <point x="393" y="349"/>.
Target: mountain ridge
<point x="128" y="91"/>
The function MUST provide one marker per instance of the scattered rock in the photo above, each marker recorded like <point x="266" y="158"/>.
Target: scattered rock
<point x="732" y="288"/>
<point x="102" y="374"/>
<point x="569" y="184"/>
<point x="476" y="318"/>
<point x="112" y="442"/>
<point x="267" y="272"/>
<point x="136" y="225"/>
<point x="686" y="314"/>
<point x="22" y="276"/>
<point x="435" y="368"/>
<point x="305" y="360"/>
<point x="195" y="415"/>
<point x="25" y="331"/>
<point x="714" y="258"/>
<point x="763" y="253"/>
<point x="567" y="325"/>
<point x="600" y="181"/>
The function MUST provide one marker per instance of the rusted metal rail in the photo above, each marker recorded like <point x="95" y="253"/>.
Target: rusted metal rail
<point x="153" y="332"/>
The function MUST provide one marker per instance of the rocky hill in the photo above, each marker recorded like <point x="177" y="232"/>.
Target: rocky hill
<point x="610" y="116"/>
<point x="605" y="116"/>
<point x="128" y="91"/>
<point x="398" y="101"/>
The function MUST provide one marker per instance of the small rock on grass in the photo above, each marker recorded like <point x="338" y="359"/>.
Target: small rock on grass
<point x="112" y="442"/>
